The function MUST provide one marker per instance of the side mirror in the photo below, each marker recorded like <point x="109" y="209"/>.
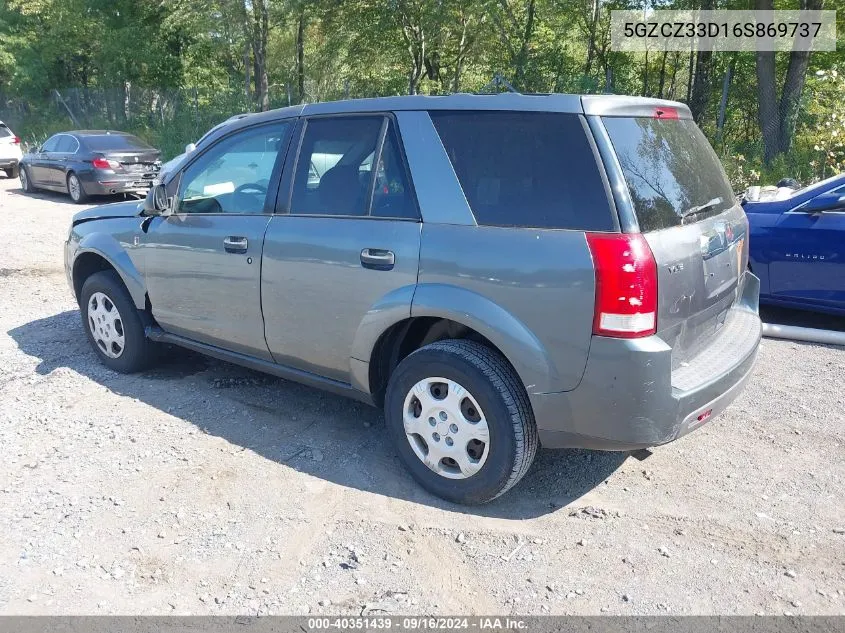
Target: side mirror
<point x="825" y="202"/>
<point x="156" y="202"/>
<point x="190" y="147"/>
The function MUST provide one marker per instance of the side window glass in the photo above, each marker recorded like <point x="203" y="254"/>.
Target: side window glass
<point x="392" y="195"/>
<point x="51" y="144"/>
<point x="334" y="168"/>
<point x="66" y="144"/>
<point x="526" y="169"/>
<point x="234" y="175"/>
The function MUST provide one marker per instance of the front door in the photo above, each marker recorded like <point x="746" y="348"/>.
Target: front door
<point x="40" y="171"/>
<point x="203" y="262"/>
<point x="810" y="264"/>
<point x="350" y="242"/>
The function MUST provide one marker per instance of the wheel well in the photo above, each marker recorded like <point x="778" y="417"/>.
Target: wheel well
<point x="86" y="265"/>
<point x="407" y="336"/>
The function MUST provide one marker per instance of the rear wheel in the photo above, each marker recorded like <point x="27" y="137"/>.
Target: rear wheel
<point x="12" y="172"/>
<point x="26" y="183"/>
<point x="75" y="190"/>
<point x="461" y="421"/>
<point x="113" y="324"/>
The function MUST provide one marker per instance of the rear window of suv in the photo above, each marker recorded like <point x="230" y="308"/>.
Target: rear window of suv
<point x="673" y="174"/>
<point x="526" y="169"/>
<point x="4" y="131"/>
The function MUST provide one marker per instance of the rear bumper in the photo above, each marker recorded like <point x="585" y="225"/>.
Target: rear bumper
<point x="103" y="183"/>
<point x="8" y="162"/>
<point x="630" y="397"/>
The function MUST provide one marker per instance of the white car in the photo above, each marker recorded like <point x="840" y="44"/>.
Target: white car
<point x="10" y="151"/>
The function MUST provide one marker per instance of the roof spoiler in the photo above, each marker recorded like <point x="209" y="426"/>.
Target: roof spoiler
<point x="613" y="105"/>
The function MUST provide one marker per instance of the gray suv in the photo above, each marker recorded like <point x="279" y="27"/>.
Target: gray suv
<point x="497" y="272"/>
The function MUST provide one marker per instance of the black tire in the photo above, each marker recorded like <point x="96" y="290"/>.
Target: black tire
<point x="499" y="392"/>
<point x="12" y="172"/>
<point x="26" y="181"/>
<point x="139" y="352"/>
<point x="77" y="193"/>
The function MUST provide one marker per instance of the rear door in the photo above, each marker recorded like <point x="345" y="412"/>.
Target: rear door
<point x="690" y="217"/>
<point x="64" y="154"/>
<point x="203" y="262"/>
<point x="346" y="239"/>
<point x="810" y="262"/>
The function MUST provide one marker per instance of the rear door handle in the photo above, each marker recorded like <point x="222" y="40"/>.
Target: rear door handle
<point x="235" y="244"/>
<point x="377" y="259"/>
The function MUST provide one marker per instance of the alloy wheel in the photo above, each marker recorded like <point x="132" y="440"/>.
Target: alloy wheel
<point x="74" y="188"/>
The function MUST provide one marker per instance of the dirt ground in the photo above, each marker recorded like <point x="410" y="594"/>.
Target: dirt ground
<point x="204" y="488"/>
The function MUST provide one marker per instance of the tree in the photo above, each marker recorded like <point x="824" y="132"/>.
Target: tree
<point x="777" y="116"/>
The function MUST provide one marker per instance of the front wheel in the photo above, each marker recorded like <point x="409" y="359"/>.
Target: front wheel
<point x="113" y="325"/>
<point x="460" y="419"/>
<point x="75" y="190"/>
<point x="26" y="182"/>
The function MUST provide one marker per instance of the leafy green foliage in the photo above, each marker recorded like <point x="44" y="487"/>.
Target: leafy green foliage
<point x="170" y="69"/>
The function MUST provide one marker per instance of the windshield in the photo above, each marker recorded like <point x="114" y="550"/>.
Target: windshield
<point x="673" y="174"/>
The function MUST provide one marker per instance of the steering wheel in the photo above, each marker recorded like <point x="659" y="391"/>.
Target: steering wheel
<point x="250" y="186"/>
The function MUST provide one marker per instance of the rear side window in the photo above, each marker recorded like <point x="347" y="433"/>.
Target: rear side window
<point x="672" y="172"/>
<point x="335" y="174"/>
<point x="526" y="169"/>
<point x="4" y="131"/>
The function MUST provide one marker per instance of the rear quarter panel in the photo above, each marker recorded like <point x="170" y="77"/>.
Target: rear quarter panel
<point x="529" y="291"/>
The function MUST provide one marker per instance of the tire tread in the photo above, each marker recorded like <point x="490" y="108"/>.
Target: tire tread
<point x="136" y="357"/>
<point x="509" y="386"/>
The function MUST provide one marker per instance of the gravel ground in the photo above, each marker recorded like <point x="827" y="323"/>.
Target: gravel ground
<point x="204" y="488"/>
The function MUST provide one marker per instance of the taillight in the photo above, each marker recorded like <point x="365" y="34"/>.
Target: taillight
<point x="626" y="285"/>
<point x="666" y="113"/>
<point x="102" y="163"/>
<point x="16" y="140"/>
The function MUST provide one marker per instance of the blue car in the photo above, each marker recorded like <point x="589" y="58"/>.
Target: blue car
<point x="798" y="247"/>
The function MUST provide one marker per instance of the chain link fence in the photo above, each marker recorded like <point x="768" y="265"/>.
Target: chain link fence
<point x="167" y="118"/>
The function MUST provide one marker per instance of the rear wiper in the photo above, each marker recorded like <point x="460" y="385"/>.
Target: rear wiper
<point x="702" y="207"/>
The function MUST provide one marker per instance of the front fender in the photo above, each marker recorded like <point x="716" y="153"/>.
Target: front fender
<point x="115" y="254"/>
<point x="510" y="335"/>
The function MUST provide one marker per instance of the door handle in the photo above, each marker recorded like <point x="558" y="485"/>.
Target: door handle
<point x="377" y="259"/>
<point x="234" y="244"/>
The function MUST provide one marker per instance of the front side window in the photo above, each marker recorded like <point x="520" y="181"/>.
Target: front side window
<point x="51" y="144"/>
<point x="234" y="175"/>
<point x="335" y="175"/>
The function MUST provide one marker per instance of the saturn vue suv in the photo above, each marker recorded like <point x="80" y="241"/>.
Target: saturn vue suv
<point x="497" y="272"/>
